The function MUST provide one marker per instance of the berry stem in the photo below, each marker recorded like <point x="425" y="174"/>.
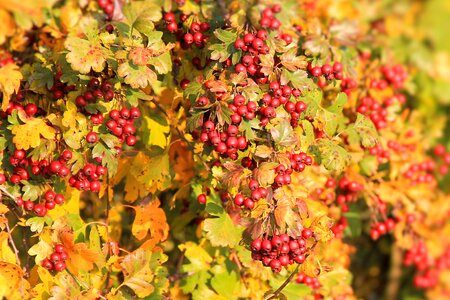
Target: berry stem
<point x="285" y="283"/>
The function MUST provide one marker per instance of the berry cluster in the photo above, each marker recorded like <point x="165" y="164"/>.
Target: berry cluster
<point x="268" y="19"/>
<point x="394" y="75"/>
<point x="281" y="250"/>
<point x="107" y="6"/>
<point x="326" y="73"/>
<point x="195" y="35"/>
<point x="60" y="89"/>
<point x="421" y="172"/>
<point x="56" y="261"/>
<point x="121" y="124"/>
<point x="381" y="228"/>
<point x="347" y="192"/>
<point x="444" y="156"/>
<point x="96" y="91"/>
<point x="51" y="199"/>
<point x="312" y="282"/>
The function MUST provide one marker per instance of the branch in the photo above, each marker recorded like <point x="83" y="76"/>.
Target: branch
<point x="285" y="283"/>
<point x="395" y="273"/>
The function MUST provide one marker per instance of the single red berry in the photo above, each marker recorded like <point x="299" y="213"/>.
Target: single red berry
<point x="59" y="266"/>
<point x="201" y="199"/>
<point x="92" y="137"/>
<point x="307" y="233"/>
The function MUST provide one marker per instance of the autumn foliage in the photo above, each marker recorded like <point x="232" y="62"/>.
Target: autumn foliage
<point x="221" y="150"/>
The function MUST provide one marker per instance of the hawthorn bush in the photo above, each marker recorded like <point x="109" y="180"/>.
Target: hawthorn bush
<point x="219" y="150"/>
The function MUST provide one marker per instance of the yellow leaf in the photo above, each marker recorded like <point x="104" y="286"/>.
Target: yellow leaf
<point x="8" y="26"/>
<point x="41" y="249"/>
<point x="12" y="283"/>
<point x="150" y="218"/>
<point x="28" y="135"/>
<point x="158" y="128"/>
<point x="3" y="208"/>
<point x="6" y="254"/>
<point x="10" y="77"/>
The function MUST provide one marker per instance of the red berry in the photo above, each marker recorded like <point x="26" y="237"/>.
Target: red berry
<point x="201" y="199"/>
<point x="40" y="210"/>
<point x="59" y="199"/>
<point x="46" y="263"/>
<point x="92" y="137"/>
<point x="59" y="248"/>
<point x="59" y="266"/>
<point x="307" y="233"/>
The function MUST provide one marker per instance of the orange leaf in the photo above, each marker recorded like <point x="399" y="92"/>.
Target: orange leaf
<point x="150" y="218"/>
<point x="80" y="256"/>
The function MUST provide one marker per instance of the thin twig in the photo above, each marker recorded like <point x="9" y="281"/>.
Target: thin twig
<point x="285" y="283"/>
<point x="108" y="208"/>
<point x="10" y="237"/>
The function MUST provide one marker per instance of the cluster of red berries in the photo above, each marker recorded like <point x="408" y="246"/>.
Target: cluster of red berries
<point x="97" y="91"/>
<point x="56" y="261"/>
<point x="442" y="153"/>
<point x="256" y="193"/>
<point x="381" y="228"/>
<point x="339" y="227"/>
<point x="196" y="35"/>
<point x="427" y="268"/>
<point x="268" y="19"/>
<point x="326" y="73"/>
<point x="281" y="250"/>
<point x="421" y="172"/>
<point x="40" y="209"/>
<point x="280" y="95"/>
<point x="107" y="6"/>
<point x="394" y="75"/>
<point x="226" y="142"/>
<point x="23" y="165"/>
<point x="121" y="124"/>
<point x="60" y="89"/>
<point x="348" y="85"/>
<point x="347" y="192"/>
<point x="88" y="178"/>
<point x="31" y="109"/>
<point x="377" y="112"/>
<point x="382" y="154"/>
<point x="312" y="282"/>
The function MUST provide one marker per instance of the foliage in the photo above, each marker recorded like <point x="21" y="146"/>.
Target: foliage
<point x="223" y="150"/>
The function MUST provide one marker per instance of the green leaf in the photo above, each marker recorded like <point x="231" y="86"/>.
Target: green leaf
<point x="362" y="131"/>
<point x="85" y="55"/>
<point x="193" y="91"/>
<point x="283" y="134"/>
<point x="292" y="291"/>
<point x="333" y="157"/>
<point x="248" y="127"/>
<point x="312" y="100"/>
<point x="37" y="223"/>
<point x="141" y="15"/>
<point x="162" y="63"/>
<point x="331" y="122"/>
<point x="223" y="113"/>
<point x="30" y="191"/>
<point x="369" y="165"/>
<point x="309" y="136"/>
<point x="221" y="231"/>
<point x="136" y="76"/>
<point x="354" y="227"/>
<point x="225" y="283"/>
<point x="338" y="104"/>
<point x="299" y="79"/>
<point x="226" y="36"/>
